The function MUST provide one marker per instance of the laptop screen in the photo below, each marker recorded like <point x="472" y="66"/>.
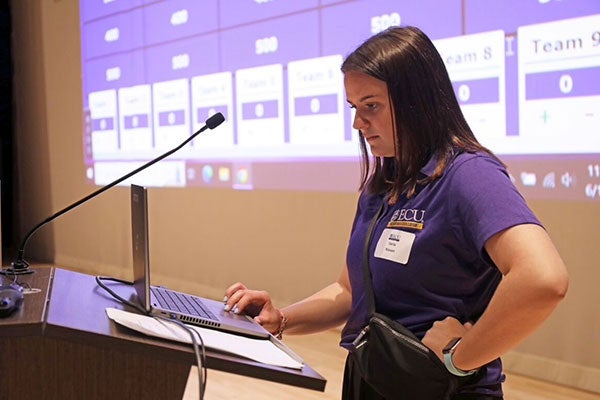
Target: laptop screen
<point x="139" y="241"/>
<point x="1" y="259"/>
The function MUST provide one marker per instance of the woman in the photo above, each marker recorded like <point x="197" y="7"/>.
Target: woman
<point x="473" y="263"/>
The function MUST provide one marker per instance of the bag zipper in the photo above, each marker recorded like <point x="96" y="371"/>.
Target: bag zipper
<point x="415" y="343"/>
<point x="356" y="343"/>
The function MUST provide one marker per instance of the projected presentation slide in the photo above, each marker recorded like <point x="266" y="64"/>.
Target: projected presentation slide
<point x="526" y="75"/>
<point x="475" y="64"/>
<point x="559" y="86"/>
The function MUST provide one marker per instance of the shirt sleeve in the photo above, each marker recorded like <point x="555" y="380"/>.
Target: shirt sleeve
<point x="485" y="199"/>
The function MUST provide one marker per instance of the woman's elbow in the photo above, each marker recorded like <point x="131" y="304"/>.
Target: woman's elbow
<point x="556" y="283"/>
<point x="562" y="285"/>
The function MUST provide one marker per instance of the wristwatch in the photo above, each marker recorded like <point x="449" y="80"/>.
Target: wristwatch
<point x="448" y="351"/>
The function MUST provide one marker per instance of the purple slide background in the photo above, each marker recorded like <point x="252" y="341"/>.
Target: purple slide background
<point x="142" y="121"/>
<point x="546" y="85"/>
<point x="109" y="124"/>
<point x="131" y="35"/>
<point x="269" y="109"/>
<point x="202" y="18"/>
<point x="203" y="58"/>
<point x="203" y="112"/>
<point x="248" y="11"/>
<point x="132" y="67"/>
<point x="486" y="15"/>
<point x="177" y="118"/>
<point x="511" y="85"/>
<point x="238" y="49"/>
<point x="218" y="36"/>
<point x="349" y="24"/>
<point x="93" y="9"/>
<point x="327" y="104"/>
<point x="481" y="90"/>
<point x="221" y="35"/>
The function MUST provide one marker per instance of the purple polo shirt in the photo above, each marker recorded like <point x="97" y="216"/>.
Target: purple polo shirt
<point x="427" y="255"/>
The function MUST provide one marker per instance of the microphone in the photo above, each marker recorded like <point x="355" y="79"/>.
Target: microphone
<point x="20" y="266"/>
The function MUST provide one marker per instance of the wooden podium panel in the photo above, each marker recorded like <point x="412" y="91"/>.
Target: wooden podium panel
<point x="61" y="345"/>
<point x="46" y="368"/>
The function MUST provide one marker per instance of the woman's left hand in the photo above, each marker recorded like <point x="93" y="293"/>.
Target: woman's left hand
<point x="442" y="332"/>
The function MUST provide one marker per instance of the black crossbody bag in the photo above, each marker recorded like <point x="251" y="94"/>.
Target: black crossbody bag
<point x="391" y="359"/>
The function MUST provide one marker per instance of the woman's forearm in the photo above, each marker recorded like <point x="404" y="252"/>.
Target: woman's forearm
<point x="515" y="311"/>
<point x="325" y="309"/>
<point x="535" y="281"/>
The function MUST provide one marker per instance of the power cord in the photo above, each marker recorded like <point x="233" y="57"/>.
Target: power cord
<point x="99" y="281"/>
<point x="198" y="351"/>
<point x="197" y="342"/>
<point x="14" y="279"/>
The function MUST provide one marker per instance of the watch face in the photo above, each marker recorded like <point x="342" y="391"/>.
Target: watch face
<point x="449" y="347"/>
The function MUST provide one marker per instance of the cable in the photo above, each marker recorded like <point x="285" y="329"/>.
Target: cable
<point x="99" y="280"/>
<point x="199" y="349"/>
<point x="8" y="274"/>
<point x="15" y="282"/>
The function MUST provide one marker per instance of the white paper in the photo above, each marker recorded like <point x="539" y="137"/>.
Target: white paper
<point x="261" y="350"/>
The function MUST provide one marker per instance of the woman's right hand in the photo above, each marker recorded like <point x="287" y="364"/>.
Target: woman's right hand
<point x="256" y="303"/>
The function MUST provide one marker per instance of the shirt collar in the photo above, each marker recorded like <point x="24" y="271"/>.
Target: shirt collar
<point x="429" y="167"/>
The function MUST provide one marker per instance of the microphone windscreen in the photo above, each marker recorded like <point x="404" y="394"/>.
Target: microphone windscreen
<point x="215" y="120"/>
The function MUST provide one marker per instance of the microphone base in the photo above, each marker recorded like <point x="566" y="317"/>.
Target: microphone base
<point x="16" y="271"/>
<point x="17" y="268"/>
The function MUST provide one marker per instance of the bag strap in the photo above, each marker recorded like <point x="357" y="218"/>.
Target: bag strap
<point x="370" y="296"/>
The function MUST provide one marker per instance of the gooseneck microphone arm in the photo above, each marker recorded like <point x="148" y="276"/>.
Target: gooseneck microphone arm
<point x="21" y="266"/>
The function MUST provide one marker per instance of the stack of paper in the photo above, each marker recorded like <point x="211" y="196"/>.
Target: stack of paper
<point x="266" y="351"/>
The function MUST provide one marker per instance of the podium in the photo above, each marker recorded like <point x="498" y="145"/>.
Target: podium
<point x="62" y="345"/>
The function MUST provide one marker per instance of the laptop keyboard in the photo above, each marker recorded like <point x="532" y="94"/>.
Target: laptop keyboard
<point x="184" y="303"/>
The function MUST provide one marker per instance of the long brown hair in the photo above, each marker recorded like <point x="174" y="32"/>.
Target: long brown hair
<point x="427" y="117"/>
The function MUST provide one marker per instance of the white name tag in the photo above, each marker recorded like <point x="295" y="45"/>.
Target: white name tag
<point x="395" y="245"/>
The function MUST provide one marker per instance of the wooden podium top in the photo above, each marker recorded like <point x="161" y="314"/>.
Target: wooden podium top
<point x="70" y="306"/>
<point x="29" y="319"/>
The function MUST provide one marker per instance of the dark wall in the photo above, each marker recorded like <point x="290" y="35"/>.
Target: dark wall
<point x="6" y="129"/>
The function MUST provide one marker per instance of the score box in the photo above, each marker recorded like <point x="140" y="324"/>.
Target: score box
<point x="477" y="70"/>
<point x="103" y="117"/>
<point x="171" y="113"/>
<point x="559" y="85"/>
<point x="211" y="94"/>
<point x="259" y="105"/>
<point x="316" y="101"/>
<point x="117" y="33"/>
<point x="135" y="109"/>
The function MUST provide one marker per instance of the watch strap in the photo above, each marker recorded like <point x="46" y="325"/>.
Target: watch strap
<point x="449" y="363"/>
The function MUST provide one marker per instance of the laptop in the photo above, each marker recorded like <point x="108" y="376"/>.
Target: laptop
<point x="157" y="300"/>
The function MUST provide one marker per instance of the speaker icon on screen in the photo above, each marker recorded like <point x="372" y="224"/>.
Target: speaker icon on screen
<point x="567" y="180"/>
